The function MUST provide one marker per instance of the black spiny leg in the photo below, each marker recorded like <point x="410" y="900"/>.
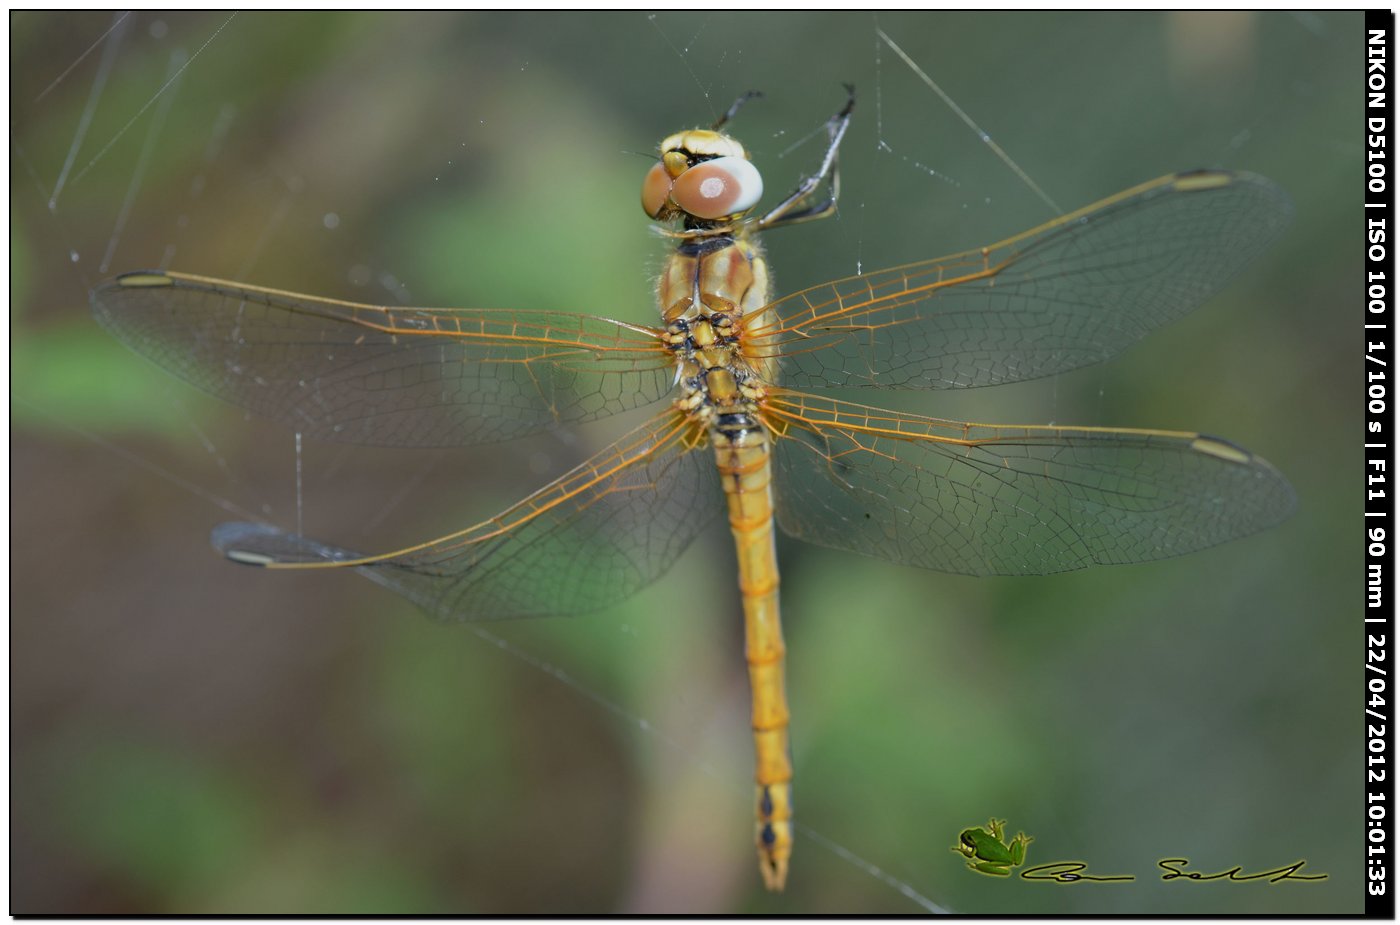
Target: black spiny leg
<point x="797" y="207"/>
<point x="734" y="109"/>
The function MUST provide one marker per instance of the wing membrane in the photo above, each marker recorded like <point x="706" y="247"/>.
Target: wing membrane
<point x="983" y="500"/>
<point x="385" y="376"/>
<point x="590" y="539"/>
<point x="1070" y="293"/>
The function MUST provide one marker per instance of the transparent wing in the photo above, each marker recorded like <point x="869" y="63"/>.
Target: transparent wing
<point x="384" y="376"/>
<point x="1070" y="293"/>
<point x="982" y="500"/>
<point x="591" y="538"/>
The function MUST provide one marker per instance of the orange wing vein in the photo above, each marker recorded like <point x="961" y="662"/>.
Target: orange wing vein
<point x="591" y="538"/>
<point x="1008" y="500"/>
<point x="1070" y="293"/>
<point x="385" y="376"/>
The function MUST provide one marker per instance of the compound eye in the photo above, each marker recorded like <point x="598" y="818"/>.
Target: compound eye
<point x="656" y="188"/>
<point x="717" y="188"/>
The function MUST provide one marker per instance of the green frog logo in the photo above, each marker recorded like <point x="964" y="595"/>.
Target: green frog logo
<point x="988" y="853"/>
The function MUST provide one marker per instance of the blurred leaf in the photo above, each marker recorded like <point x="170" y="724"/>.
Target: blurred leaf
<point x="20" y="276"/>
<point x="77" y="375"/>
<point x="330" y="873"/>
<point x="171" y="824"/>
<point x="433" y="685"/>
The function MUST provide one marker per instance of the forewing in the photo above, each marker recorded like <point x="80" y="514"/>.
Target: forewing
<point x="384" y="376"/>
<point x="590" y="539"/>
<point x="981" y="500"/>
<point x="1070" y="293"/>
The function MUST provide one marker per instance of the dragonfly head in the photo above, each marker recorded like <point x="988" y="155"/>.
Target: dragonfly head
<point x="702" y="175"/>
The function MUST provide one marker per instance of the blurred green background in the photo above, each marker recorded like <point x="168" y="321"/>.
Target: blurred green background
<point x="190" y="736"/>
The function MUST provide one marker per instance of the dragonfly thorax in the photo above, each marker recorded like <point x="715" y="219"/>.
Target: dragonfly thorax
<point x="706" y="330"/>
<point x="712" y="294"/>
<point x="714" y="379"/>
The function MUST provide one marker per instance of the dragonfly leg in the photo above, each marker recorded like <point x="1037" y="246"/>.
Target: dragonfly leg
<point x="734" y="108"/>
<point x="796" y="207"/>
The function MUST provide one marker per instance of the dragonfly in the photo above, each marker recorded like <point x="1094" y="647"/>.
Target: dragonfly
<point x="742" y="424"/>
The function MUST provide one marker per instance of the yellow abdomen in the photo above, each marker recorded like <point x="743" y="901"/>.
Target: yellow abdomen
<point x="743" y="462"/>
<point x="711" y="291"/>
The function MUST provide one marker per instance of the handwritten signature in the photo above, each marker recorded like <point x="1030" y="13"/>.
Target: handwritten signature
<point x="1175" y="869"/>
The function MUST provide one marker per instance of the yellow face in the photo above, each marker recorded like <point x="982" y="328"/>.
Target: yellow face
<point x="704" y="175"/>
